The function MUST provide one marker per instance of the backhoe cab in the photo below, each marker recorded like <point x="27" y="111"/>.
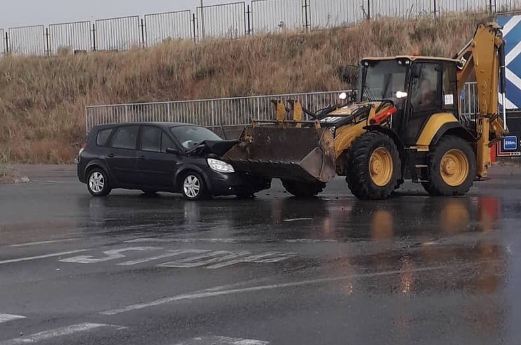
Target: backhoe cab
<point x="405" y="124"/>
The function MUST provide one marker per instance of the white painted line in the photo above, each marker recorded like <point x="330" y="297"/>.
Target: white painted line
<point x="222" y="341"/>
<point x="183" y="240"/>
<point x="30" y="244"/>
<point x="113" y="254"/>
<point x="511" y="24"/>
<point x="208" y="293"/>
<point x="163" y="256"/>
<point x="297" y="220"/>
<point x="59" y="332"/>
<point x="41" y="256"/>
<point x="224" y="240"/>
<point x="260" y="258"/>
<point x="9" y="317"/>
<point x="204" y="259"/>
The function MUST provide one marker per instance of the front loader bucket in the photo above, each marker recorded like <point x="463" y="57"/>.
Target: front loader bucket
<point x="301" y="154"/>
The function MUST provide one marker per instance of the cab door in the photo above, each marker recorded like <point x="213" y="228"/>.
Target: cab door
<point x="425" y="98"/>
<point x="156" y="167"/>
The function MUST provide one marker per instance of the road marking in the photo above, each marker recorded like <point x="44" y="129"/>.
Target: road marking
<point x="225" y="240"/>
<point x="270" y="257"/>
<point x="222" y="341"/>
<point x="9" y="317"/>
<point x="58" y="332"/>
<point x="209" y="293"/>
<point x="41" y="256"/>
<point x="163" y="256"/>
<point x="113" y="254"/>
<point x="296" y="220"/>
<point x="184" y="240"/>
<point x="204" y="260"/>
<point x="29" y="244"/>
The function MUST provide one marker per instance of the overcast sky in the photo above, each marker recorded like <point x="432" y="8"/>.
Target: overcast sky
<point x="33" y="12"/>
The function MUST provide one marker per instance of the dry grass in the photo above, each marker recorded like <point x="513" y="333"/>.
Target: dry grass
<point x="42" y="100"/>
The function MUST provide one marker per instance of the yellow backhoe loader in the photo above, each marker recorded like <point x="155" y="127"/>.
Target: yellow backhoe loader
<point x="405" y="124"/>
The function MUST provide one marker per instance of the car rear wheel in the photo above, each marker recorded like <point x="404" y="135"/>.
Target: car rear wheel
<point x="193" y="187"/>
<point x="98" y="183"/>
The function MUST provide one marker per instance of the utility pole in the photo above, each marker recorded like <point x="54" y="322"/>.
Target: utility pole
<point x="202" y="20"/>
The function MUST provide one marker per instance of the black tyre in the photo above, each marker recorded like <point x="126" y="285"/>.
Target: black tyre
<point x="452" y="167"/>
<point x="193" y="186"/>
<point x="303" y="189"/>
<point x="373" y="167"/>
<point x="98" y="182"/>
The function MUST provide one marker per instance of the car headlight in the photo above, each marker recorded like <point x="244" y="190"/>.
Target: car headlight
<point x="220" y="166"/>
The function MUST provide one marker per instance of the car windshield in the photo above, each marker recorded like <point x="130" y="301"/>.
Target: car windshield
<point x="191" y="136"/>
<point x="383" y="79"/>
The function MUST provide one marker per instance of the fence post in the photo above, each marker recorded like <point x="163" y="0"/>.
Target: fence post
<point x="203" y="33"/>
<point x="306" y="15"/>
<point x="47" y="42"/>
<point x="248" y="16"/>
<point x="94" y="37"/>
<point x="368" y="9"/>
<point x="7" y="42"/>
<point x="143" y="39"/>
<point x="194" y="27"/>
<point x="435" y="8"/>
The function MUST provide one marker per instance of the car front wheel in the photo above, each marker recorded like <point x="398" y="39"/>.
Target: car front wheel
<point x="98" y="183"/>
<point x="193" y="187"/>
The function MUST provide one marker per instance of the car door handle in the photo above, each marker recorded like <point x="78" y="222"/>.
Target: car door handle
<point x="111" y="155"/>
<point x="141" y="157"/>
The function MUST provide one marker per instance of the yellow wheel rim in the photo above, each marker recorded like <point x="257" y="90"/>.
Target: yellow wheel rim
<point x="454" y="167"/>
<point x="381" y="167"/>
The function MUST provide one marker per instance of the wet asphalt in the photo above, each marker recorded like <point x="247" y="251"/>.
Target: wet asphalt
<point x="130" y="269"/>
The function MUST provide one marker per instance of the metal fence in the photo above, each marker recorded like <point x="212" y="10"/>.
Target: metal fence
<point x="277" y="15"/>
<point x="227" y="20"/>
<point x="160" y="27"/>
<point x="68" y="37"/>
<point x="209" y="112"/>
<point x="230" y="20"/>
<point x="238" y="111"/>
<point x="27" y="40"/>
<point x="116" y="34"/>
<point x="3" y="46"/>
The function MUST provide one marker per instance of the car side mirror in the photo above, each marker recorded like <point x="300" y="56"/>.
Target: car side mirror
<point x="173" y="151"/>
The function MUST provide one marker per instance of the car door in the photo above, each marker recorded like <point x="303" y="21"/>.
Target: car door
<point x="156" y="166"/>
<point x="121" y="157"/>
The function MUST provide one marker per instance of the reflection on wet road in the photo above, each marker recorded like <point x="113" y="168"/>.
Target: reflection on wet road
<point x="276" y="270"/>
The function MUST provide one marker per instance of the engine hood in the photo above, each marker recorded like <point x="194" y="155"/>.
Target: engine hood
<point x="210" y="147"/>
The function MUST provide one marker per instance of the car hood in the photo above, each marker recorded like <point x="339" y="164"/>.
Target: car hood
<point x="218" y="147"/>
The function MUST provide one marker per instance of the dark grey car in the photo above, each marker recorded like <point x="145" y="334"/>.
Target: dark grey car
<point x="169" y="157"/>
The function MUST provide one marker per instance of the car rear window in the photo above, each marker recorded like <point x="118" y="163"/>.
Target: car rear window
<point x="125" y="138"/>
<point x="103" y="137"/>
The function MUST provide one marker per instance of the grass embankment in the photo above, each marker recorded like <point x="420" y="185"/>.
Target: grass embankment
<point x="42" y="100"/>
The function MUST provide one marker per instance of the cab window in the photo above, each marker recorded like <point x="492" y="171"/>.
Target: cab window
<point x="125" y="138"/>
<point x="425" y="86"/>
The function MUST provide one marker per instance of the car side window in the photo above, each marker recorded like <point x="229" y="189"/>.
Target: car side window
<point x="125" y="138"/>
<point x="166" y="142"/>
<point x="151" y="139"/>
<point x="103" y="137"/>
